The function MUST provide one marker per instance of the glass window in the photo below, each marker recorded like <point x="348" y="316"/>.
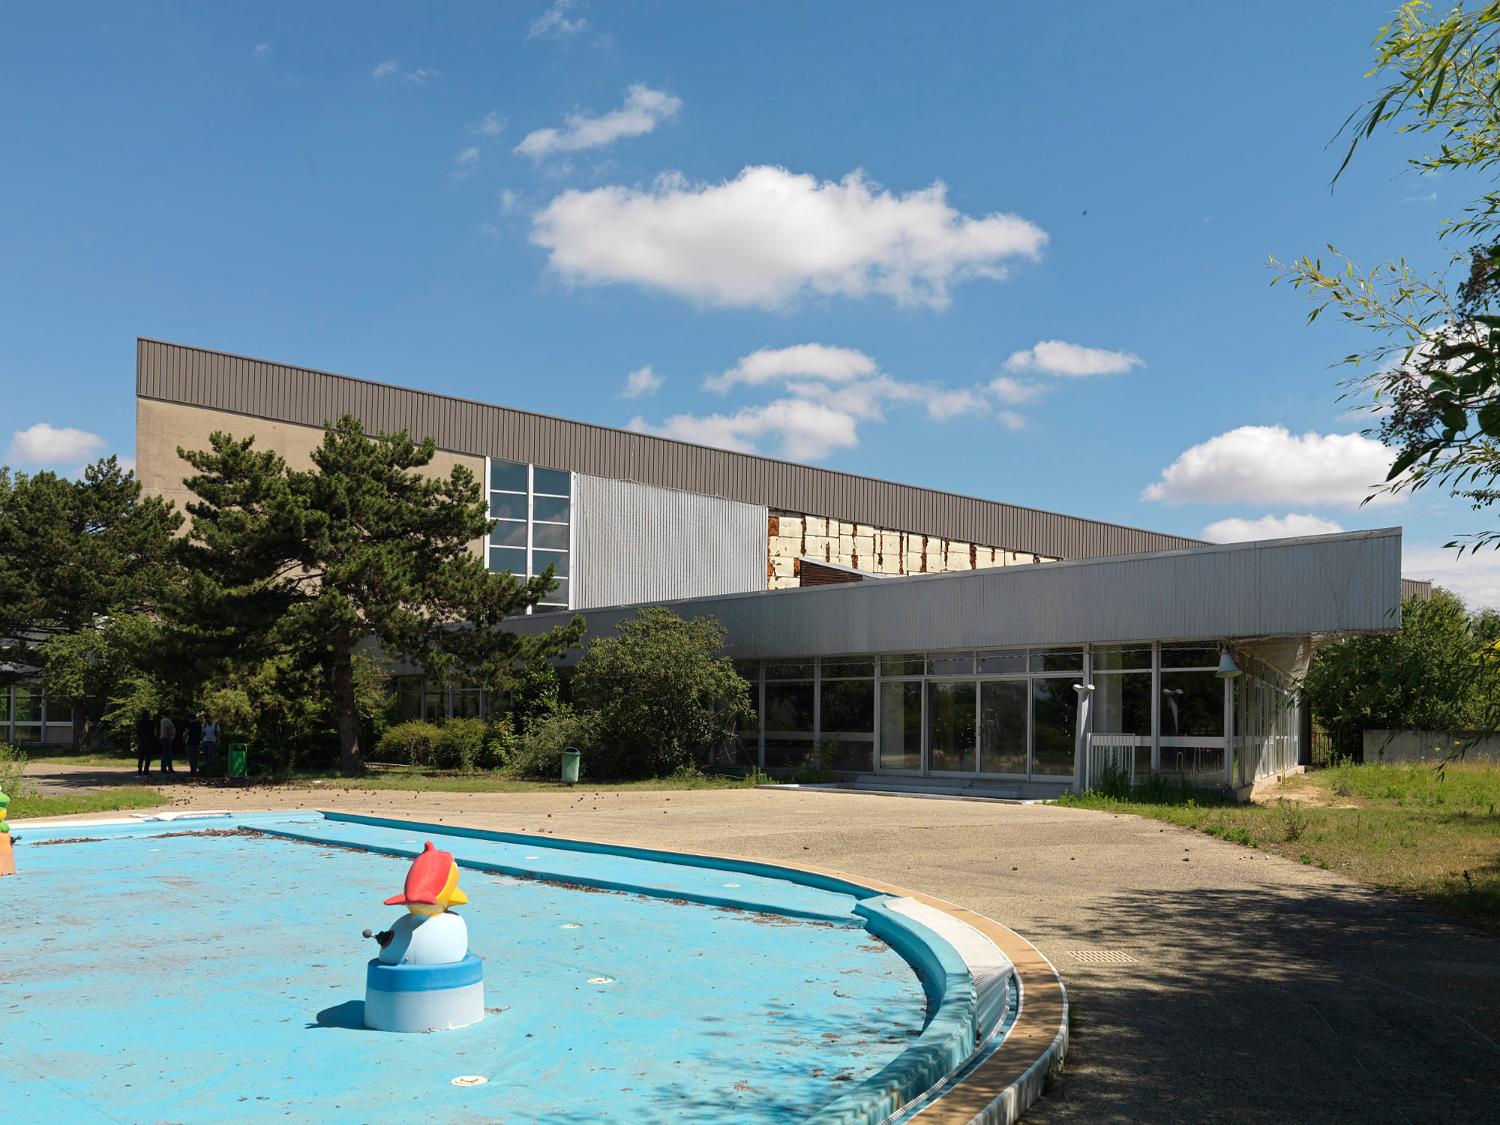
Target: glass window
<point x="557" y="560"/>
<point x="28" y="705"/>
<point x="466" y="703"/>
<point x="750" y="669"/>
<point x="1057" y="660"/>
<point x="1054" y="726"/>
<point x="27" y="735"/>
<point x="435" y="704"/>
<point x="950" y="664"/>
<point x="507" y="476"/>
<point x="506" y="506"/>
<point x="851" y="753"/>
<point x="4" y="703"/>
<point x="59" y="734"/>
<point x="508" y="533"/>
<point x="1002" y="726"/>
<point x="550" y="509"/>
<point x="553" y="482"/>
<point x="408" y="697"/>
<point x="1001" y="662"/>
<point x="551" y="536"/>
<point x="559" y="592"/>
<point x="847" y="707"/>
<point x="512" y="559"/>
<point x="1190" y="656"/>
<point x="789" y="670"/>
<point x="1122" y="658"/>
<point x="788" y="753"/>
<point x="950" y="725"/>
<point x="1192" y="705"/>
<point x="905" y="665"/>
<point x="1122" y="705"/>
<point x="840" y="668"/>
<point x="901" y="726"/>
<point x="789" y="708"/>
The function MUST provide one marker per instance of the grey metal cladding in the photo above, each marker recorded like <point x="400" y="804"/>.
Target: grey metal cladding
<point x="637" y="543"/>
<point x="1346" y="583"/>
<point x="259" y="388"/>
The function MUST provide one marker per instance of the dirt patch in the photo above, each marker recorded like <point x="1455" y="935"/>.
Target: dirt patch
<point x="69" y="840"/>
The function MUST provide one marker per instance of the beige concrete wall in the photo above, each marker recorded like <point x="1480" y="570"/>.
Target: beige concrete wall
<point x="161" y="427"/>
<point x="878" y="550"/>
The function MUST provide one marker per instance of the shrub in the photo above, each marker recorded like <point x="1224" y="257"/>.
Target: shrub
<point x="662" y="693"/>
<point x="538" y="753"/>
<point x="460" y="745"/>
<point x="12" y="766"/>
<point x="499" y="745"/>
<point x="414" y="743"/>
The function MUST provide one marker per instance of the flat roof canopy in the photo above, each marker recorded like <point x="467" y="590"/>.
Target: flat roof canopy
<point x="1345" y="583"/>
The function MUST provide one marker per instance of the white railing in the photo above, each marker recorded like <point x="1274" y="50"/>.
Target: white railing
<point x="1196" y="760"/>
<point x="1110" y="755"/>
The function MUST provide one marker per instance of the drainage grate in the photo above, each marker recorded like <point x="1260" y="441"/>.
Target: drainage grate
<point x="1101" y="956"/>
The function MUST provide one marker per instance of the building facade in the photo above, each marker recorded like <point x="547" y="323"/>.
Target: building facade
<point x="886" y="629"/>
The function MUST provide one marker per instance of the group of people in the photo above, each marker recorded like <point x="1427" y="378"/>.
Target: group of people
<point x="162" y="737"/>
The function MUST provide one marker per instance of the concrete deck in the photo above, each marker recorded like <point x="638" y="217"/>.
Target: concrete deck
<point x="1257" y="990"/>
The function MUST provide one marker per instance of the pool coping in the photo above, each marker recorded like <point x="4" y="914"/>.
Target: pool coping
<point x="997" y="1088"/>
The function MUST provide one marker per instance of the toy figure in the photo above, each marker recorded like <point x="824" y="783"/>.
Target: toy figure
<point x="7" y="851"/>
<point x="429" y="933"/>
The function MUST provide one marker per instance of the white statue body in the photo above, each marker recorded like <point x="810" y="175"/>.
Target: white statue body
<point x="420" y="939"/>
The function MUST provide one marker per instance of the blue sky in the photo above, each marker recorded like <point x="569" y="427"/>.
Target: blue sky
<point x="1016" y="251"/>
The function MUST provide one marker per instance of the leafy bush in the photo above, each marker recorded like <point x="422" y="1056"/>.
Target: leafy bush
<point x="538" y="695"/>
<point x="414" y="742"/>
<point x="460" y="745"/>
<point x="662" y="694"/>
<point x="12" y="766"/>
<point x="499" y="746"/>
<point x="538" y="753"/>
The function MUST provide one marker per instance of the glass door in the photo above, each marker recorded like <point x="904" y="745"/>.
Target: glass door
<point x="901" y="725"/>
<point x="951" y="743"/>
<point x="1002" y="726"/>
<point x="1054" y="726"/>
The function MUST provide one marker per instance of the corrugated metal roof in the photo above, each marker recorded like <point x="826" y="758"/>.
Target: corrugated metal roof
<point x="264" y="389"/>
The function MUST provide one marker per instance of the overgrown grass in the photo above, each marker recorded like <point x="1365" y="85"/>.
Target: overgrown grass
<point x="1426" y="831"/>
<point x="430" y="781"/>
<point x="110" y="800"/>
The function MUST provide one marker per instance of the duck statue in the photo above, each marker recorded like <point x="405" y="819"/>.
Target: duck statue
<point x="7" y="851"/>
<point x="425" y="978"/>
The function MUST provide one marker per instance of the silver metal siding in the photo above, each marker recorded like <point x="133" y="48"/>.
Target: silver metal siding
<point x="258" y="388"/>
<point x="637" y="543"/>
<point x="1343" y="583"/>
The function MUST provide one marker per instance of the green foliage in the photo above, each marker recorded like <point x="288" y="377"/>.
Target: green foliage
<point x="413" y="743"/>
<point x="500" y="742"/>
<point x="461" y="745"/>
<point x="12" y="769"/>
<point x="75" y="557"/>
<point x="1152" y="789"/>
<point x="662" y="694"/>
<point x="76" y="804"/>
<point x="538" y="753"/>
<point x="364" y="546"/>
<point x="538" y="695"/>
<point x="1428" y="675"/>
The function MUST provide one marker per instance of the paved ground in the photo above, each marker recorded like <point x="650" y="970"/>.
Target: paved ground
<point x="1261" y="990"/>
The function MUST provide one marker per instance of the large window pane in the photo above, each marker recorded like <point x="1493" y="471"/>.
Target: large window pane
<point x="1189" y="656"/>
<point x="4" y="703"/>
<point x="907" y="665"/>
<point x="851" y="752"/>
<point x="1002" y="662"/>
<point x="1002" y="726"/>
<point x="837" y="667"/>
<point x="901" y="725"/>
<point x="28" y="706"/>
<point x="950" y="664"/>
<point x="789" y="669"/>
<point x="550" y="536"/>
<point x="553" y="482"/>
<point x="1122" y="658"/>
<point x="507" y="476"/>
<point x="789" y="708"/>
<point x="1054" y="725"/>
<point x="557" y="560"/>
<point x="1192" y="705"/>
<point x="950" y="726"/>
<point x="512" y="559"/>
<point x="788" y="753"/>
<point x="848" y="707"/>
<point x="509" y="533"/>
<point x="550" y="509"/>
<point x="1057" y="660"/>
<point x="1122" y="705"/>
<point x="504" y="506"/>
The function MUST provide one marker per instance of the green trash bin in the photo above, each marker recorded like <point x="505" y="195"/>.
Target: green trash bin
<point x="237" y="754"/>
<point x="570" y="758"/>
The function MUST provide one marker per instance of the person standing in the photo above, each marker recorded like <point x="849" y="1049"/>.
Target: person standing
<point x="166" y="733"/>
<point x="145" y="742"/>
<point x="193" y="738"/>
<point x="210" y="740"/>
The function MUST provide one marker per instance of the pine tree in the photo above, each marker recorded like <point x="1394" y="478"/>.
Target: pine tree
<point x="362" y="549"/>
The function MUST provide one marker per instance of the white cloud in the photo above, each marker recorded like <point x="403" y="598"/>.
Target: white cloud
<point x="1058" y="357"/>
<point x="642" y="381"/>
<point x="390" y="68"/>
<point x="1271" y="465"/>
<point x="770" y="235"/>
<point x="818" y="361"/>
<point x="555" y="23"/>
<point x="1269" y="527"/>
<point x="46" y="444"/>
<point x="490" y="125"/>
<point x="1011" y="420"/>
<point x="466" y="162"/>
<point x="643" y="111"/>
<point x="801" y="429"/>
<point x="1014" y="391"/>
<point x="1475" y="577"/>
<point x="262" y="50"/>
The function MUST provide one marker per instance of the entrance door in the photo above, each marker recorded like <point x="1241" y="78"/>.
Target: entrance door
<point x="951" y="743"/>
<point x="1003" y="706"/>
<point x="1054" y="727"/>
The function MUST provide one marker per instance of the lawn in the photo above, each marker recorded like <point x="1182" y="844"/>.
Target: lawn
<point x="1416" y="829"/>
<point x="432" y="781"/>
<point x="110" y="800"/>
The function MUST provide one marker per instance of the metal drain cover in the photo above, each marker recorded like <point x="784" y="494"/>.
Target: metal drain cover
<point x="1101" y="956"/>
<point x="601" y="980"/>
<point x="470" y="1080"/>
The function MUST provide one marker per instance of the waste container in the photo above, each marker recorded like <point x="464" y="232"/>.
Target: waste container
<point x="237" y="754"/>
<point x="570" y="760"/>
